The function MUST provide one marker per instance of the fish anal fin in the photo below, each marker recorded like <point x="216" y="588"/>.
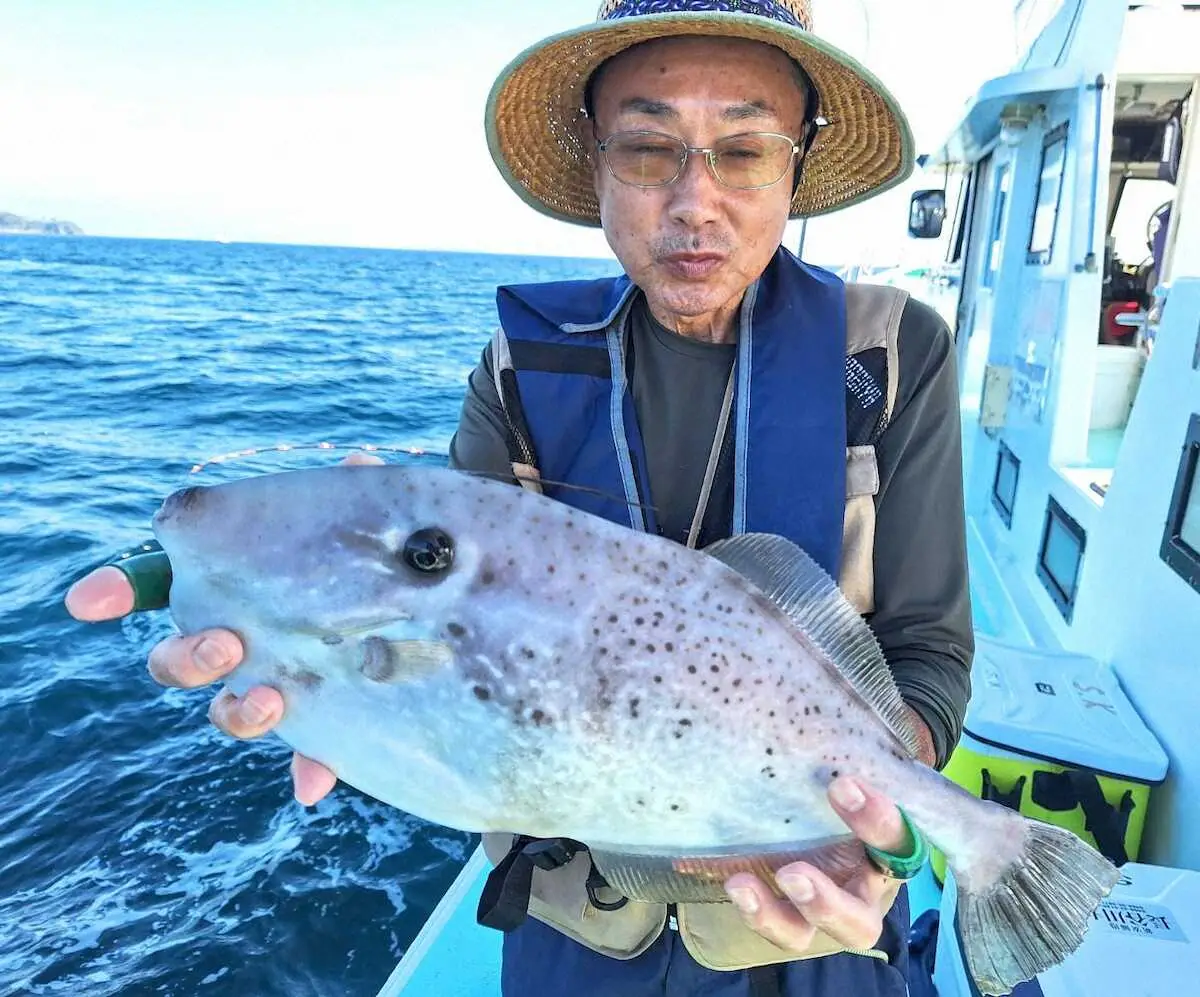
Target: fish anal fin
<point x="699" y="877"/>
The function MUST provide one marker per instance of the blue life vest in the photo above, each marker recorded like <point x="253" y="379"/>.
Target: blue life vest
<point x="567" y="345"/>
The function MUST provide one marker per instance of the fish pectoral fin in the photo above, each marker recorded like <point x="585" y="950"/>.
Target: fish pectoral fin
<point x="812" y="601"/>
<point x="384" y="659"/>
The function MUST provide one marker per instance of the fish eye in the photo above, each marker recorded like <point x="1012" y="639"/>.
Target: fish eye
<point x="429" y="550"/>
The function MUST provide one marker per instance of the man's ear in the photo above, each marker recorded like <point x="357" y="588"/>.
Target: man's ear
<point x="585" y="134"/>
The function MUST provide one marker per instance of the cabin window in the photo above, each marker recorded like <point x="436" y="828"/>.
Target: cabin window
<point x="1181" y="540"/>
<point x="962" y="214"/>
<point x="1004" y="484"/>
<point x="1060" y="557"/>
<point x="1049" y="194"/>
<point x="996" y="243"/>
<point x="1137" y="203"/>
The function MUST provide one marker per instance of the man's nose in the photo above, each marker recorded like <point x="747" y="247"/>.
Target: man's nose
<point x="696" y="195"/>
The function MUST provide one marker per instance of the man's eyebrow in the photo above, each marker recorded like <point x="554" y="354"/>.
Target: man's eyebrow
<point x="755" y="109"/>
<point x="643" y="105"/>
<point x="745" y="111"/>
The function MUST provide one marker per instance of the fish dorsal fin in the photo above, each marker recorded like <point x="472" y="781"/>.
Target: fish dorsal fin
<point x="811" y="600"/>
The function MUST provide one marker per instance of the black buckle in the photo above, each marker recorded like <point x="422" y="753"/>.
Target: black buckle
<point x="552" y="853"/>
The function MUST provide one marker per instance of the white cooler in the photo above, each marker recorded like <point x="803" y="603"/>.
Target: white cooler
<point x="1144" y="941"/>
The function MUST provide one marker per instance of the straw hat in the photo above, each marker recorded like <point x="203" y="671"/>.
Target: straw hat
<point x="864" y="147"/>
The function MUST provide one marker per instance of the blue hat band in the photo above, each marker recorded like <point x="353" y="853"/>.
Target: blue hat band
<point x="759" y="8"/>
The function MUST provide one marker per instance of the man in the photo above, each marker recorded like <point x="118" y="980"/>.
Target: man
<point x="720" y="387"/>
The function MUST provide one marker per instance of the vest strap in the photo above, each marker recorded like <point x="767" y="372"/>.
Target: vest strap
<point x="504" y="902"/>
<point x="559" y="358"/>
<point x="764" y="981"/>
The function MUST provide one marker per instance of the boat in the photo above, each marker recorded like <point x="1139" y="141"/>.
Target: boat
<point x="1069" y="197"/>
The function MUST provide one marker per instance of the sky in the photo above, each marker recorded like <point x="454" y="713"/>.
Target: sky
<point x="305" y="121"/>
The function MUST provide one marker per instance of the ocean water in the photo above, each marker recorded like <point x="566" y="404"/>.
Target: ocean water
<point x="141" y="851"/>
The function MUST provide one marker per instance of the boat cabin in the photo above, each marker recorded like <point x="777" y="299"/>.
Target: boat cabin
<point x="1069" y="196"/>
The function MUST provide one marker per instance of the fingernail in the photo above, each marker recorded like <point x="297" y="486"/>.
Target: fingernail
<point x="799" y="888"/>
<point x="252" y="711"/>
<point x="210" y="656"/>
<point x="847" y="795"/>
<point x="744" y="900"/>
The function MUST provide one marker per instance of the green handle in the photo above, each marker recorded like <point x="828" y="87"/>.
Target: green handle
<point x="149" y="572"/>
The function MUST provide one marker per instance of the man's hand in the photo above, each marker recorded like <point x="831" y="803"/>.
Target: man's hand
<point x="848" y="914"/>
<point x="189" y="661"/>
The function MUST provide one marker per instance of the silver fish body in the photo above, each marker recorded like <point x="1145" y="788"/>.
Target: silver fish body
<point x="489" y="659"/>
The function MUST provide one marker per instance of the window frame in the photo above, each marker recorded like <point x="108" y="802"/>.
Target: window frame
<point x="1064" y="600"/>
<point x="1042" y="256"/>
<point x="1176" y="552"/>
<point x="1004" y="510"/>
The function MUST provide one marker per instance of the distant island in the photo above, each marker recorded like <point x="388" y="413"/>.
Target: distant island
<point x="11" y="224"/>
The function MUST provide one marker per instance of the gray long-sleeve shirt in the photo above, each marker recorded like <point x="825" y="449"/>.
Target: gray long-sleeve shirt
<point x="922" y="615"/>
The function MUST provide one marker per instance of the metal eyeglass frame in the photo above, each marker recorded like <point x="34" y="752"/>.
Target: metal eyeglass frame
<point x="709" y="157"/>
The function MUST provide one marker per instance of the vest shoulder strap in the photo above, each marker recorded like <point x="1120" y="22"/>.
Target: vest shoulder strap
<point x="873" y="314"/>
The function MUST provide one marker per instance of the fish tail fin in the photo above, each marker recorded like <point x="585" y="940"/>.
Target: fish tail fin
<point x="1034" y="913"/>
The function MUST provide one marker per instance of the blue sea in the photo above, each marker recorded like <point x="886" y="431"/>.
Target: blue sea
<point x="141" y="851"/>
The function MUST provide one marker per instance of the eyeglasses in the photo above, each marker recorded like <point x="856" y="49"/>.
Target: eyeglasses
<point x="750" y="161"/>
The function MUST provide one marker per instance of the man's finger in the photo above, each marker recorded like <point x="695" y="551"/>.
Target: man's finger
<point x="187" y="662"/>
<point x="776" y="920"/>
<point x="872" y="817"/>
<point x="104" y="594"/>
<point x="248" y="716"/>
<point x="311" y="780"/>
<point x="363" y="458"/>
<point x="841" y="914"/>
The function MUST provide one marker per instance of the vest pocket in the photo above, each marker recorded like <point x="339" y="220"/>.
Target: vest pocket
<point x="717" y="938"/>
<point x="856" y="578"/>
<point x="558" y="898"/>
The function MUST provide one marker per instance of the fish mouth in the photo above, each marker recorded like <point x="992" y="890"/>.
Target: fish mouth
<point x="180" y="505"/>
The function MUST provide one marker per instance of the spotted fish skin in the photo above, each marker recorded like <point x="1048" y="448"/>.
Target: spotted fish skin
<point x="568" y="677"/>
<point x="578" y="653"/>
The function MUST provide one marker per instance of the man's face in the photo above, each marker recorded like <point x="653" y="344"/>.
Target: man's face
<point x="694" y="246"/>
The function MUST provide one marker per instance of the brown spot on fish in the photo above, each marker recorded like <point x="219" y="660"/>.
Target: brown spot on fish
<point x="332" y="640"/>
<point x="305" y="678"/>
<point x="455" y="629"/>
<point x="540" y="718"/>
<point x="481" y="693"/>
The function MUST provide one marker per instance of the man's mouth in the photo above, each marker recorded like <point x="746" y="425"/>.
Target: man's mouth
<point x="693" y="266"/>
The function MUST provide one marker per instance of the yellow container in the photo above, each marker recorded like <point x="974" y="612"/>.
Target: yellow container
<point x="1054" y="736"/>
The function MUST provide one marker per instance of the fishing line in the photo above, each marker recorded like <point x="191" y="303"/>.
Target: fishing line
<point x="244" y="455"/>
<point x="373" y="448"/>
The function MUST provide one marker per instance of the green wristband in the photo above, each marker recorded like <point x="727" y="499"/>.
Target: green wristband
<point x="902" y="867"/>
<point x="149" y="573"/>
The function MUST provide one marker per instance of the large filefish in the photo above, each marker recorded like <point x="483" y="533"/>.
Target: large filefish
<point x="492" y="660"/>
